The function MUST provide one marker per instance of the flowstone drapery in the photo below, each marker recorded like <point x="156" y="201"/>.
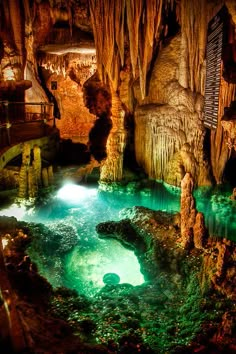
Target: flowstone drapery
<point x="169" y="130"/>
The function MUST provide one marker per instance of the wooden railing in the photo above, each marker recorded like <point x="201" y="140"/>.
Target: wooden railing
<point x="13" y="113"/>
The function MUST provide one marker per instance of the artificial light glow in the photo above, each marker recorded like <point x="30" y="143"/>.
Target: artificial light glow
<point x="74" y="193"/>
<point x="4" y="242"/>
<point x="86" y="269"/>
<point x="14" y="210"/>
<point x="8" y="74"/>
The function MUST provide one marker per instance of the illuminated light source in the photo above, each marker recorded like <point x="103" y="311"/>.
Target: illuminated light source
<point x="86" y="269"/>
<point x="8" y="74"/>
<point x="74" y="193"/>
<point x="18" y="211"/>
<point x="4" y="242"/>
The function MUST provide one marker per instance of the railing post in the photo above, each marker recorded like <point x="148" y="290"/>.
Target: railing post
<point x="8" y="124"/>
<point x="44" y="113"/>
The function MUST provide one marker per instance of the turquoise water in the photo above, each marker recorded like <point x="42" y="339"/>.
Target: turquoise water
<point x="73" y="212"/>
<point x="219" y="210"/>
<point x="82" y="208"/>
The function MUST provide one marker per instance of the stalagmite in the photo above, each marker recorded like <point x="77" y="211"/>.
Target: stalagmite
<point x="37" y="163"/>
<point x="187" y="211"/>
<point x="199" y="231"/>
<point x="193" y="229"/>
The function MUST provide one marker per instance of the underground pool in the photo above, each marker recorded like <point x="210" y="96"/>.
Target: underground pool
<point x="75" y="257"/>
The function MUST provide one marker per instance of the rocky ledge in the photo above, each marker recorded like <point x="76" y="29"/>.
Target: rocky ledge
<point x="186" y="304"/>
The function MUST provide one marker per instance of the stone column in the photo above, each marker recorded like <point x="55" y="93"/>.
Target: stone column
<point x="187" y="211"/>
<point x="23" y="175"/>
<point x="193" y="230"/>
<point x="37" y="163"/>
<point x="112" y="169"/>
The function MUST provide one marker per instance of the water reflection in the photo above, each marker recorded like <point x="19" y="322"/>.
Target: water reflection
<point x="218" y="209"/>
<point x="90" y="206"/>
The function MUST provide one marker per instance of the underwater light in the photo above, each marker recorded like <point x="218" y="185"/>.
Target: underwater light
<point x="18" y="211"/>
<point x="89" y="270"/>
<point x="73" y="193"/>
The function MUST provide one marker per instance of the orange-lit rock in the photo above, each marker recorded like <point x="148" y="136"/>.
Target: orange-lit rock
<point x="75" y="121"/>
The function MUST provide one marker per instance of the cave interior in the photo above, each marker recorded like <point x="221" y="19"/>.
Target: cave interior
<point x="129" y="96"/>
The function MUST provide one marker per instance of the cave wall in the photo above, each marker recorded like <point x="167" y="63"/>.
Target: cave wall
<point x="168" y="122"/>
<point x="152" y="59"/>
<point x="169" y="130"/>
<point x="22" y="37"/>
<point x="70" y="72"/>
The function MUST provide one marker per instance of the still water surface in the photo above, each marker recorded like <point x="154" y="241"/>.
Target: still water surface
<point x="81" y="208"/>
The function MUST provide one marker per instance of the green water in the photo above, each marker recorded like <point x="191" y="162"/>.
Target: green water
<point x="218" y="209"/>
<point x="82" y="208"/>
<point x="75" y="257"/>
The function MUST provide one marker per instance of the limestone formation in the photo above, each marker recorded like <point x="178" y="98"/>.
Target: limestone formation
<point x="112" y="168"/>
<point x="187" y="211"/>
<point x="170" y="118"/>
<point x="32" y="183"/>
<point x="199" y="231"/>
<point x="37" y="163"/>
<point x="31" y="175"/>
<point x="156" y="69"/>
<point x="45" y="178"/>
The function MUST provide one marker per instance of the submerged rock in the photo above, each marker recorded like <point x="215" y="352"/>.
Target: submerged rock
<point x="111" y="279"/>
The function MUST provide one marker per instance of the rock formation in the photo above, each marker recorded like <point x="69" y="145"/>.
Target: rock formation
<point x="32" y="175"/>
<point x="193" y="230"/>
<point x="59" y="46"/>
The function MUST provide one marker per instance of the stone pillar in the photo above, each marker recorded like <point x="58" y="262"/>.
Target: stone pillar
<point x="45" y="177"/>
<point x="31" y="175"/>
<point x="187" y="211"/>
<point x="193" y="230"/>
<point x="50" y="175"/>
<point x="37" y="163"/>
<point x="23" y="175"/>
<point x="32" y="183"/>
<point x="112" y="168"/>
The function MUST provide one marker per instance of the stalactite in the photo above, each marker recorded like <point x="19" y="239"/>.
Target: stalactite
<point x="193" y="44"/>
<point x="134" y="9"/>
<point x="120" y="29"/>
<point x="143" y="21"/>
<point x="17" y="29"/>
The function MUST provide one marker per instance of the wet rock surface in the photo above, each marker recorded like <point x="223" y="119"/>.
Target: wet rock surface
<point x="177" y="310"/>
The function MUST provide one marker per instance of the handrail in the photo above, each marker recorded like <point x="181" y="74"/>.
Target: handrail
<point x="28" y="103"/>
<point x="12" y="113"/>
